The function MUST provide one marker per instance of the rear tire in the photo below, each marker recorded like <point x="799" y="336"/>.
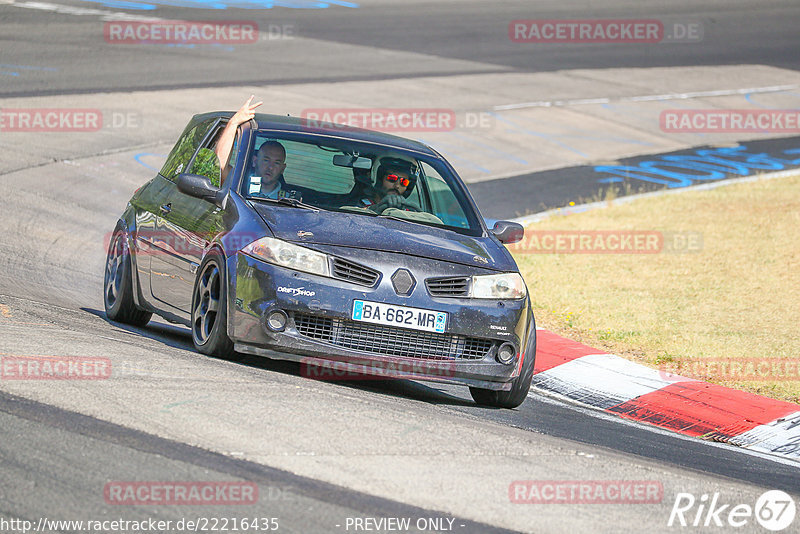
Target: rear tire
<point x="118" y="284"/>
<point x="210" y="309"/>
<point x="520" y="386"/>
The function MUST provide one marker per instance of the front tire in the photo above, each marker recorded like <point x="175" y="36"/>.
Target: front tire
<point x="520" y="386"/>
<point x="210" y="309"/>
<point x="118" y="284"/>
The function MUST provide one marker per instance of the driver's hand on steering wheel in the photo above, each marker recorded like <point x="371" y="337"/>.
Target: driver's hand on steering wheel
<point x="393" y="200"/>
<point x="389" y="201"/>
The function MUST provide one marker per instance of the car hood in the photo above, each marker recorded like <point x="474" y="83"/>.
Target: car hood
<point x="321" y="227"/>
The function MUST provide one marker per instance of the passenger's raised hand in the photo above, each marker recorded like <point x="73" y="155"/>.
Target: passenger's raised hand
<point x="246" y="112"/>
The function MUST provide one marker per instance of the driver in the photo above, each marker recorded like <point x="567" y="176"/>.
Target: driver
<point x="394" y="182"/>
<point x="269" y="162"/>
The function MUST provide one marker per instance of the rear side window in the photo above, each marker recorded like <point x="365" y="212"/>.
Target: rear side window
<point x="184" y="149"/>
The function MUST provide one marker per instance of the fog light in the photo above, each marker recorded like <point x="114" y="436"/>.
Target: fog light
<point x="276" y="320"/>
<point x="506" y="353"/>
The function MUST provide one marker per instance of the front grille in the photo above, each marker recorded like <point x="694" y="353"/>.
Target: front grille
<point x="314" y="327"/>
<point x="454" y="286"/>
<point x="353" y="272"/>
<point x="391" y="340"/>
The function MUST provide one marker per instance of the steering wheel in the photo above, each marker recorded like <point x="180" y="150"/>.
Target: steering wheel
<point x="404" y="204"/>
<point x="407" y="205"/>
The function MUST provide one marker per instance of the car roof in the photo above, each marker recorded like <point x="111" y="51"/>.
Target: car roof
<point x="299" y="125"/>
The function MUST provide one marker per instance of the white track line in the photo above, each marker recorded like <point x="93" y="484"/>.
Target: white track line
<point x="646" y="98"/>
<point x="105" y="15"/>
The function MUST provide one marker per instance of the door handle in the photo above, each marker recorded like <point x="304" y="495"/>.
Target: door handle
<point x="166" y="208"/>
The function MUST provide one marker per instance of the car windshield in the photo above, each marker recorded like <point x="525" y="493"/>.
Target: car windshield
<point x="351" y="177"/>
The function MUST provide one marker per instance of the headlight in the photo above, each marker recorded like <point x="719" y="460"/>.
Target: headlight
<point x="498" y="286"/>
<point x="287" y="255"/>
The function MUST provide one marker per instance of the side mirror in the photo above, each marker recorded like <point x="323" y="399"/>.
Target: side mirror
<point x="508" y="232"/>
<point x="206" y="163"/>
<point x="198" y="186"/>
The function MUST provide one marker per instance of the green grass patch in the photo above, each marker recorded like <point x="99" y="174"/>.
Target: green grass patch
<point x="734" y="296"/>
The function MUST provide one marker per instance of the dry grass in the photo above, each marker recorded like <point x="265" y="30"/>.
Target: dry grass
<point x="738" y="297"/>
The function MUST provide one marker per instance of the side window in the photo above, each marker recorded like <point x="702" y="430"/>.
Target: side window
<point x="184" y="149"/>
<point x="444" y="203"/>
<point x="206" y="163"/>
<point x="214" y="139"/>
<point x="415" y="197"/>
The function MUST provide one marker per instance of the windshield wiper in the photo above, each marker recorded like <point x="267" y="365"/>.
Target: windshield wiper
<point x="395" y="218"/>
<point x="293" y="202"/>
<point x="296" y="203"/>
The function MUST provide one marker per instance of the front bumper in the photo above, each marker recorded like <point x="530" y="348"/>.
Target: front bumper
<point x="319" y="330"/>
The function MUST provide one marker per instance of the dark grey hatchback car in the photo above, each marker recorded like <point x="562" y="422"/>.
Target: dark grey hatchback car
<point x="321" y="270"/>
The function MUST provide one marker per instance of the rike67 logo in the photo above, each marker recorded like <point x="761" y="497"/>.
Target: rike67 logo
<point x="774" y="510"/>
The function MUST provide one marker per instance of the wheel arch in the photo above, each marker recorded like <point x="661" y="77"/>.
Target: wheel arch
<point x="127" y="224"/>
<point x="228" y="269"/>
<point x="530" y="340"/>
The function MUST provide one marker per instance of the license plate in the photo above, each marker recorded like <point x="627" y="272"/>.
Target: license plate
<point x="403" y="316"/>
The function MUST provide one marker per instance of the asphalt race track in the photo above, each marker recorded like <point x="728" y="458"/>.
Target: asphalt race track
<point x="326" y="453"/>
<point x="456" y="36"/>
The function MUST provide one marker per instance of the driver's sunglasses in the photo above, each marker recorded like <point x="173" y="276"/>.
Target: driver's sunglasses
<point x="393" y="178"/>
